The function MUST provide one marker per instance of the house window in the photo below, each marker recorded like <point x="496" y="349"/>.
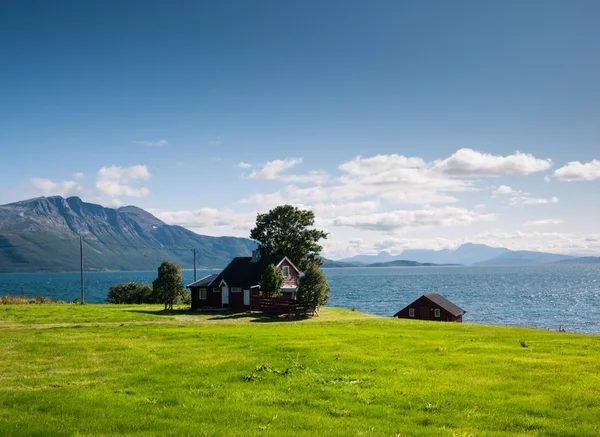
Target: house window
<point x="286" y="271"/>
<point x="436" y="312"/>
<point x="216" y="290"/>
<point x="203" y="294"/>
<point x="236" y="290"/>
<point x="411" y="312"/>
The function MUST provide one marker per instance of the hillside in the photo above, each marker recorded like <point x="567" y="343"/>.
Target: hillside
<point x="523" y="257"/>
<point x="466" y="254"/>
<point x="404" y="263"/>
<point x="42" y="234"/>
<point x="580" y="260"/>
<point x="138" y="370"/>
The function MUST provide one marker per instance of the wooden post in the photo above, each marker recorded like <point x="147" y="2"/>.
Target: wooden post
<point x="194" y="265"/>
<point x="81" y="268"/>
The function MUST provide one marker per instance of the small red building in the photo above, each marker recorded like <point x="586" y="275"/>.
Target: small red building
<point x="432" y="306"/>
<point x="239" y="281"/>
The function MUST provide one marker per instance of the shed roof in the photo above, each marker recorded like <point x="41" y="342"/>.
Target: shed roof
<point x="203" y="282"/>
<point x="444" y="303"/>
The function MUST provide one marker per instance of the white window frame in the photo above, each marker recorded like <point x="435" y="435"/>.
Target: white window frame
<point x="437" y="312"/>
<point x="411" y="312"/>
<point x="286" y="271"/>
<point x="217" y="290"/>
<point x="201" y="292"/>
<point x="236" y="290"/>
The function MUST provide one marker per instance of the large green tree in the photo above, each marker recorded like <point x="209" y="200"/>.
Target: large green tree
<point x="287" y="230"/>
<point x="313" y="289"/>
<point x="168" y="286"/>
<point x="271" y="281"/>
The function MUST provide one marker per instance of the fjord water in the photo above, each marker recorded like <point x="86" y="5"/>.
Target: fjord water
<point x="547" y="296"/>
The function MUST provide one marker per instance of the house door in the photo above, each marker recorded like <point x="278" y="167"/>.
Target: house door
<point x="225" y="296"/>
<point x="247" y="298"/>
<point x="424" y="313"/>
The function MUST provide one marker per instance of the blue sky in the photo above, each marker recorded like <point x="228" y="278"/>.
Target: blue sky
<point x="397" y="122"/>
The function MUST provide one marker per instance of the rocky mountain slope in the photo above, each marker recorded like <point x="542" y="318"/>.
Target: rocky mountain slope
<point x="42" y="234"/>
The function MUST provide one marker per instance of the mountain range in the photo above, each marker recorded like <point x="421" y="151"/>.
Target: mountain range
<point x="42" y="234"/>
<point x="467" y="254"/>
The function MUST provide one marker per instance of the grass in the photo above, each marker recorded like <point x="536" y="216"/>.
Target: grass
<point x="137" y="370"/>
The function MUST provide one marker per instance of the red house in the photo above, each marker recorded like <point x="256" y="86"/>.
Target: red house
<point x="432" y="306"/>
<point x="239" y="281"/>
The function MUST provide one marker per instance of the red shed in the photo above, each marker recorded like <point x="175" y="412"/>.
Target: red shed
<point x="432" y="306"/>
<point x="232" y="287"/>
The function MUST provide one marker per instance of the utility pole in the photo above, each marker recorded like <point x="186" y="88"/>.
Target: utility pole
<point x="194" y="265"/>
<point x="81" y="267"/>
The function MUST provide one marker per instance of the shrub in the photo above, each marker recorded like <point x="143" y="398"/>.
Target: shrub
<point x="271" y="281"/>
<point x="168" y="286"/>
<point x="313" y="289"/>
<point x="130" y="293"/>
<point x="22" y="299"/>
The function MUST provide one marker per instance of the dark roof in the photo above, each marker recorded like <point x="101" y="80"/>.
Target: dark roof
<point x="243" y="272"/>
<point x="444" y="303"/>
<point x="203" y="282"/>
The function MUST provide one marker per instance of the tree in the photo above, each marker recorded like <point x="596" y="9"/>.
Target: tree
<point x="286" y="230"/>
<point x="271" y="281"/>
<point x="313" y="289"/>
<point x="130" y="293"/>
<point x="167" y="287"/>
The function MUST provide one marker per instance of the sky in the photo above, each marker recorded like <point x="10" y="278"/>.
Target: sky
<point x="402" y="125"/>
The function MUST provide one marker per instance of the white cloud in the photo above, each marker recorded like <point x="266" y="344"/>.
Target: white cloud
<point x="209" y="220"/>
<point x="116" y="181"/>
<point x="273" y="169"/>
<point x="244" y="165"/>
<point x="576" y="171"/>
<point x="404" y="219"/>
<point x="396" y="179"/>
<point x="290" y="194"/>
<point x="47" y="187"/>
<point x="155" y="143"/>
<point x="469" y="162"/>
<point x="79" y="176"/>
<point x="480" y="206"/>
<point x="503" y="190"/>
<point x="556" y="242"/>
<point x="316" y="177"/>
<point x="543" y="222"/>
<point x="525" y="200"/>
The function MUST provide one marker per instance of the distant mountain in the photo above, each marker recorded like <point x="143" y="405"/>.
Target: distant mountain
<point x="523" y="257"/>
<point x="580" y="260"/>
<point x="403" y="263"/>
<point x="468" y="253"/>
<point x="42" y="234"/>
<point x="382" y="256"/>
<point x="328" y="264"/>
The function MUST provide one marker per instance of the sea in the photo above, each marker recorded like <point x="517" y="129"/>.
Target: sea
<point x="551" y="297"/>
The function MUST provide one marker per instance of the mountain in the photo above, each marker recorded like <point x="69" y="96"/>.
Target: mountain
<point x="468" y="253"/>
<point x="42" y="234"/>
<point x="328" y="264"/>
<point x="523" y="257"/>
<point x="403" y="263"/>
<point x="382" y="256"/>
<point x="580" y="260"/>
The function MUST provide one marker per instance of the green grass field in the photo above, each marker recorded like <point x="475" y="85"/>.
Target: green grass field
<point x="135" y="370"/>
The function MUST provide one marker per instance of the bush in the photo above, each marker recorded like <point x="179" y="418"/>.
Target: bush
<point x="313" y="289"/>
<point x="131" y="293"/>
<point x="168" y="286"/>
<point x="22" y="299"/>
<point x="271" y="281"/>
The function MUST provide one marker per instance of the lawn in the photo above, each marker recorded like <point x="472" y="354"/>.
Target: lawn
<point x="136" y="370"/>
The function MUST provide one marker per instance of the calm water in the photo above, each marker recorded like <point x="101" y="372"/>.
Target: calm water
<point x="538" y="296"/>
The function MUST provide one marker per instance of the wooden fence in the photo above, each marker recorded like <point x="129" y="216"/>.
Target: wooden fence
<point x="277" y="305"/>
